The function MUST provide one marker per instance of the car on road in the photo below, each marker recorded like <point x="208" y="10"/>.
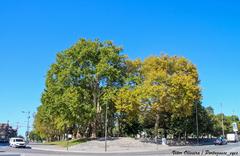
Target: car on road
<point x="17" y="142"/>
<point x="220" y="141"/>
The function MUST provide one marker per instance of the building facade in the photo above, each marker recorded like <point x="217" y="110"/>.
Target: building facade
<point x="6" y="132"/>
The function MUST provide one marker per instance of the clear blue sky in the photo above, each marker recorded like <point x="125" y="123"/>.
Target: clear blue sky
<point x="32" y="32"/>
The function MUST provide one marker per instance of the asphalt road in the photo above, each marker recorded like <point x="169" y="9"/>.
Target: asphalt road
<point x="209" y="150"/>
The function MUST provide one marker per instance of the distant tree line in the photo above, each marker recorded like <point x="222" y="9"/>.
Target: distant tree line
<point x="158" y="95"/>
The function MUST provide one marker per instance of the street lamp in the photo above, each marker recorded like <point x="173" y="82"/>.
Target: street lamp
<point x="222" y="122"/>
<point x="28" y="118"/>
<point x="106" y="124"/>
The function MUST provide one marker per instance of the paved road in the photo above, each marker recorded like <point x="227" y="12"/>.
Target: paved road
<point x="209" y="150"/>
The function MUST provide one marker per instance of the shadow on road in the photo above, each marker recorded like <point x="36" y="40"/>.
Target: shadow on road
<point x="191" y="142"/>
<point x="28" y="147"/>
<point x="4" y="144"/>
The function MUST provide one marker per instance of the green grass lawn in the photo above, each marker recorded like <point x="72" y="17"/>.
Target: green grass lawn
<point x="67" y="143"/>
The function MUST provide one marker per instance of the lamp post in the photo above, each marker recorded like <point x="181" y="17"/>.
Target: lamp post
<point x="106" y="124"/>
<point x="222" y="122"/>
<point x="28" y="118"/>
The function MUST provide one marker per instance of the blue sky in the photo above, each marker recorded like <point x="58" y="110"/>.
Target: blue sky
<point x="32" y="32"/>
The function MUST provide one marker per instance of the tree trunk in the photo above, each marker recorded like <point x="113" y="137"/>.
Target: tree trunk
<point x="94" y="130"/>
<point x="78" y="135"/>
<point x="119" y="127"/>
<point x="94" y="124"/>
<point x="165" y="133"/>
<point x="185" y="137"/>
<point x="156" y="126"/>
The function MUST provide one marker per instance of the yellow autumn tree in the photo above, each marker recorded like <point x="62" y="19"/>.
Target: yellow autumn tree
<point x="160" y="85"/>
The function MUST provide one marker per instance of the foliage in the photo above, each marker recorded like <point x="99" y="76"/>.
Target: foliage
<point x="159" y="95"/>
<point x="66" y="143"/>
<point x="78" y="85"/>
<point x="34" y="136"/>
<point x="164" y="86"/>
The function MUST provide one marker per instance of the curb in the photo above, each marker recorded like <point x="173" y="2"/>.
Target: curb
<point x="100" y="152"/>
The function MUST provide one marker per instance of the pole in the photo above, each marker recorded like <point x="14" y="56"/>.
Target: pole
<point x="27" y="135"/>
<point x="28" y="118"/>
<point x="233" y="122"/>
<point x="233" y="116"/>
<point x="17" y="125"/>
<point x="197" y="123"/>
<point x="222" y="121"/>
<point x="67" y="142"/>
<point x="106" y="124"/>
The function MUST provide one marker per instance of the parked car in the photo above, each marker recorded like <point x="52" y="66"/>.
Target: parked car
<point x="220" y="141"/>
<point x="17" y="142"/>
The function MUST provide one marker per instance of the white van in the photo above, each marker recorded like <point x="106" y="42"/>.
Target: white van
<point x="17" y="142"/>
<point x="232" y="137"/>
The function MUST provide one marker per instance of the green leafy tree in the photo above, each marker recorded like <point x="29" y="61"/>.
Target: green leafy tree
<point x="77" y="87"/>
<point x="34" y="136"/>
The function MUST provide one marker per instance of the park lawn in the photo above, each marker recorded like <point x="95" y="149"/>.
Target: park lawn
<point x="67" y="143"/>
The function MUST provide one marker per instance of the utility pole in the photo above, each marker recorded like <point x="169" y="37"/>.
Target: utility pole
<point x="222" y="122"/>
<point x="233" y="124"/>
<point x="17" y="125"/>
<point x="197" y="123"/>
<point x="233" y="116"/>
<point x="106" y="124"/>
<point x="28" y="119"/>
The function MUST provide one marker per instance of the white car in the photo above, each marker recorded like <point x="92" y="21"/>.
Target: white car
<point x="17" y="142"/>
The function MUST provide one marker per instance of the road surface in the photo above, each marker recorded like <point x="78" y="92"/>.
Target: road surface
<point x="209" y="150"/>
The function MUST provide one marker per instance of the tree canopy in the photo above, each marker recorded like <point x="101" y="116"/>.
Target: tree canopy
<point x="159" y="95"/>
